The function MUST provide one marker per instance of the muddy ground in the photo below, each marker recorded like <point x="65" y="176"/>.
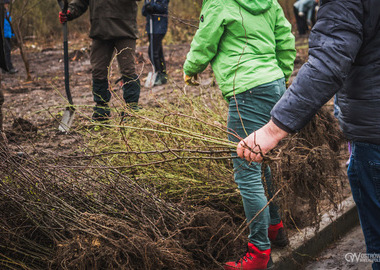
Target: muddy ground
<point x="33" y="109"/>
<point x="337" y="255"/>
<point x="42" y="100"/>
<point x="38" y="104"/>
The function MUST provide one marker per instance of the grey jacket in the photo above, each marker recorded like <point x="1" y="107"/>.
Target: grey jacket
<point x="344" y="58"/>
<point x="110" y="19"/>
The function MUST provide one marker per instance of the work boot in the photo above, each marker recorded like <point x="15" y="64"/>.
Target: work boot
<point x="100" y="91"/>
<point x="277" y="235"/>
<point x="134" y="107"/>
<point x="162" y="78"/>
<point x="131" y="109"/>
<point x="13" y="71"/>
<point x="131" y="89"/>
<point x="102" y="112"/>
<point x="102" y="96"/>
<point x="254" y="259"/>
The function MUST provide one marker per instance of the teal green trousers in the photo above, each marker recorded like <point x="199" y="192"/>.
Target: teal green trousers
<point x="248" y="112"/>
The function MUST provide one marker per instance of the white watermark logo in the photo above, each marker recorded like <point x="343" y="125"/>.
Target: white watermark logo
<point x="362" y="257"/>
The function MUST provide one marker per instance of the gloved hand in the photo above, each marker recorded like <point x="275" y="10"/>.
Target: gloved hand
<point x="190" y="80"/>
<point x="64" y="17"/>
<point x="149" y="8"/>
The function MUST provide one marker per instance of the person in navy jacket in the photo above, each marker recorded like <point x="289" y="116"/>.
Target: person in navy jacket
<point x="344" y="59"/>
<point x="304" y="12"/>
<point x="156" y="11"/>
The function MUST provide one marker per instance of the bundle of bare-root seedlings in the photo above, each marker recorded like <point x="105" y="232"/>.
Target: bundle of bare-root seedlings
<point x="54" y="217"/>
<point x="152" y="190"/>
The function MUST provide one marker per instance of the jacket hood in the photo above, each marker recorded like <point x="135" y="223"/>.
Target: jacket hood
<point x="255" y="6"/>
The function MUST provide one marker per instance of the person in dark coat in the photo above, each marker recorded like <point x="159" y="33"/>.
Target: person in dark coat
<point x="304" y="12"/>
<point x="156" y="11"/>
<point x="344" y="59"/>
<point x="8" y="34"/>
<point x="113" y="27"/>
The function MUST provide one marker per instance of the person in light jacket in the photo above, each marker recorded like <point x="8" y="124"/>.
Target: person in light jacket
<point x="251" y="50"/>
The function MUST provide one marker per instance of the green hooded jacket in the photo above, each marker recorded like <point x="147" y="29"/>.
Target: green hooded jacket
<point x="247" y="42"/>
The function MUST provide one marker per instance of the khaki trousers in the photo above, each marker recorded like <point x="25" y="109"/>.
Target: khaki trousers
<point x="102" y="52"/>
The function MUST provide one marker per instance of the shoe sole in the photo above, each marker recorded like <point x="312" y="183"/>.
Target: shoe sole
<point x="268" y="267"/>
<point x="99" y="120"/>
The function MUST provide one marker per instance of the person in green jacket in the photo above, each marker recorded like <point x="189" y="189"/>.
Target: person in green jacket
<point x="251" y="50"/>
<point x="113" y="27"/>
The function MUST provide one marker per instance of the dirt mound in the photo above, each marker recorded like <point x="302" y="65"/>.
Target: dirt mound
<point x="22" y="129"/>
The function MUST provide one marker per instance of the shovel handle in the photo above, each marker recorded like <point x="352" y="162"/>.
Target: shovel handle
<point x="64" y="5"/>
<point x="66" y="64"/>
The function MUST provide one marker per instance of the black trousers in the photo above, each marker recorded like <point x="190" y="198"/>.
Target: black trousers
<point x="1" y="112"/>
<point x="7" y="50"/>
<point x="301" y="22"/>
<point x="158" y="59"/>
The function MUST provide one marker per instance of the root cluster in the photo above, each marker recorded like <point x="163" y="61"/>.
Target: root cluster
<point x="307" y="168"/>
<point x="57" y="218"/>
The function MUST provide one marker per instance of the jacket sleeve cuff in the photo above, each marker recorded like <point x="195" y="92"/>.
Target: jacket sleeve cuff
<point x="282" y="126"/>
<point x="187" y="70"/>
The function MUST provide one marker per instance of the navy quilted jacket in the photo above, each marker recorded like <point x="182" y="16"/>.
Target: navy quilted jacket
<point x="159" y="16"/>
<point x="344" y="58"/>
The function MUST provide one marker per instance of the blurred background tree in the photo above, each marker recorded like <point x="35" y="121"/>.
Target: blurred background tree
<point x="38" y="20"/>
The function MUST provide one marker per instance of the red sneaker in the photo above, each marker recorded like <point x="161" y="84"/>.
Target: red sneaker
<point x="277" y="235"/>
<point x="254" y="259"/>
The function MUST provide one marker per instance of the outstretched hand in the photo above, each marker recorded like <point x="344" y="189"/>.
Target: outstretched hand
<point x="260" y="142"/>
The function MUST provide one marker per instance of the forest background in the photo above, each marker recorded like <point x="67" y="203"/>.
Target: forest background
<point x="39" y="20"/>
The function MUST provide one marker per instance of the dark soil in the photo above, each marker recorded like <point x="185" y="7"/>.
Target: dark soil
<point x="41" y="100"/>
<point x="33" y="109"/>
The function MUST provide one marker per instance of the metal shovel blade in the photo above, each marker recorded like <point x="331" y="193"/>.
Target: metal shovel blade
<point x="67" y="120"/>
<point x="149" y="82"/>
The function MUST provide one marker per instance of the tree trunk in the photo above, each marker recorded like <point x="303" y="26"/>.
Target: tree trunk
<point x="20" y="44"/>
<point x="1" y="109"/>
